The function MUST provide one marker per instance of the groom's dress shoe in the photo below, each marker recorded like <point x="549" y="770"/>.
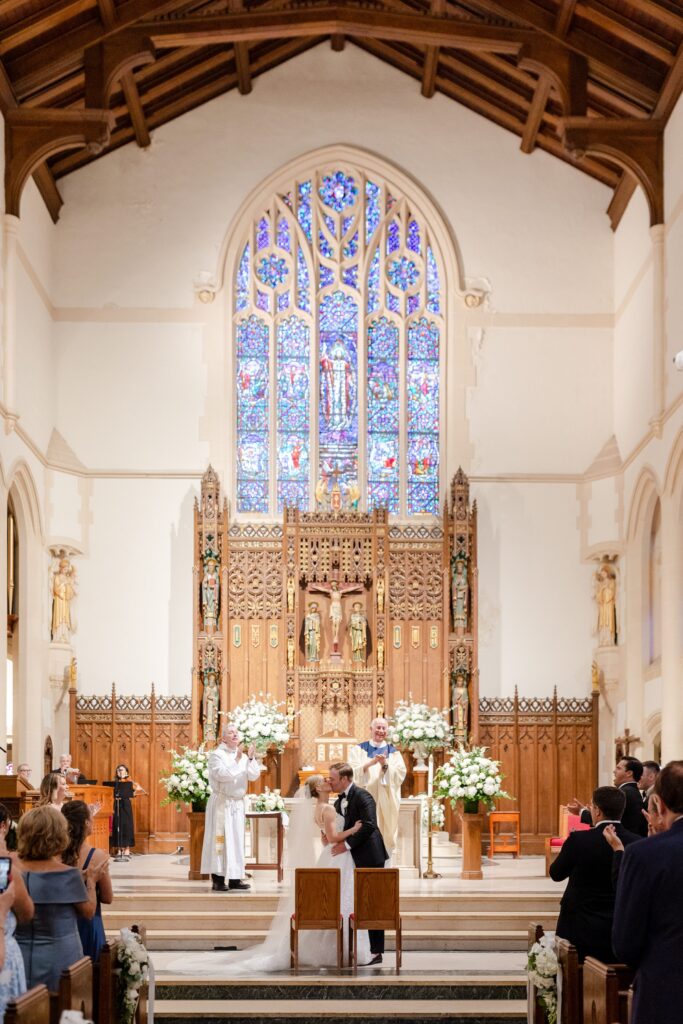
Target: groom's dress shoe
<point x="377" y="959"/>
<point x="219" y="887"/>
<point x="237" y="884"/>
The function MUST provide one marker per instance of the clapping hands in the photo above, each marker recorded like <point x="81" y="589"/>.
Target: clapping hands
<point x="611" y="837"/>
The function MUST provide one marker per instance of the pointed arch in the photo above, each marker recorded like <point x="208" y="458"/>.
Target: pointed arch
<point x="645" y="495"/>
<point x="26" y="499"/>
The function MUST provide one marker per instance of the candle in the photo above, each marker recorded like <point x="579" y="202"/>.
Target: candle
<point x="430" y="775"/>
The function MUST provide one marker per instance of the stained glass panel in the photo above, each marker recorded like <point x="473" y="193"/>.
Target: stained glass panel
<point x="242" y="300"/>
<point x="252" y="376"/>
<point x="433" y="287"/>
<point x="372" y="214"/>
<point x="303" y="282"/>
<point x="283" y="234"/>
<point x="293" y="413"/>
<point x="383" y="415"/>
<point x="422" y="401"/>
<point x="304" y="208"/>
<point x="338" y="388"/>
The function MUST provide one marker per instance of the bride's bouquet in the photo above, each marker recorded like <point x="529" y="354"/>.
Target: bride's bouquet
<point x="260" y="721"/>
<point x="419" y="727"/>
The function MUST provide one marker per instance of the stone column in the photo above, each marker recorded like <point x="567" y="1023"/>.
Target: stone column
<point x="658" y="236"/>
<point x="672" y="704"/>
<point x="10" y="232"/>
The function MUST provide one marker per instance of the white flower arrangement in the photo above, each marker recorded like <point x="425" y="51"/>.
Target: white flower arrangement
<point x="259" y="721"/>
<point x="132" y="968"/>
<point x="419" y="726"/>
<point x="188" y="780"/>
<point x="469" y="776"/>
<point x="541" y="969"/>
<point x="268" y="800"/>
<point x="438" y="814"/>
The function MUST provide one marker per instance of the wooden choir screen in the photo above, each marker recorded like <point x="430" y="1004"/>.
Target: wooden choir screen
<point x="139" y="732"/>
<point x="548" y="748"/>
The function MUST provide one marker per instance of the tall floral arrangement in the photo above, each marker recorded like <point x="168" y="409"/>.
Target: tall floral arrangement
<point x="132" y="966"/>
<point x="541" y="969"/>
<point x="470" y="776"/>
<point x="419" y="727"/>
<point x="261" y="722"/>
<point x="188" y="780"/>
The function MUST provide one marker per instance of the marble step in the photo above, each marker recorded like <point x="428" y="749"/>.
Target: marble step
<point x="332" y="1011"/>
<point x="373" y="984"/>
<point x="182" y="937"/>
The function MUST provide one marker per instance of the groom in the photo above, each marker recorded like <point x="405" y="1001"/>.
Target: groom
<point x="366" y="846"/>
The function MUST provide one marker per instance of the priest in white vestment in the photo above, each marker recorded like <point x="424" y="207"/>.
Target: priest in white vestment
<point x="379" y="767"/>
<point x="230" y="770"/>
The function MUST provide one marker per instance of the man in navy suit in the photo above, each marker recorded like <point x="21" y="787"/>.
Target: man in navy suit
<point x="626" y="776"/>
<point x="587" y="906"/>
<point x="648" y="916"/>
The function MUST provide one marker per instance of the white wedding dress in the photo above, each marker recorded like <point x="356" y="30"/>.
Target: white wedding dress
<point x="316" y="948"/>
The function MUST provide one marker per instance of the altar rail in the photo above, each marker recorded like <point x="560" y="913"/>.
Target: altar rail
<point x="548" y="748"/>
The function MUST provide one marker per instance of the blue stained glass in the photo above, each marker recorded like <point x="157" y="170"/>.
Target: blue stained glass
<point x="272" y="270"/>
<point x="283" y="302"/>
<point x="252" y="414"/>
<point x="242" y="300"/>
<point x="393" y="238"/>
<point x="293" y="412"/>
<point x="351" y="247"/>
<point x="422" y="400"/>
<point x="331" y="226"/>
<point x="338" y="368"/>
<point x="372" y="215"/>
<point x="433" y="286"/>
<point x="383" y="414"/>
<point x="326" y="277"/>
<point x="287" y="199"/>
<point x="303" y="282"/>
<point x="403" y="273"/>
<point x="304" y="210"/>
<point x="413" y="241"/>
<point x="346" y="224"/>
<point x="393" y="303"/>
<point x="373" y="284"/>
<point x="338" y="191"/>
<point x="263" y="234"/>
<point x="325" y="247"/>
<point x="350" y="276"/>
<point x="283" y="234"/>
<point x="413" y="304"/>
<point x="263" y="301"/>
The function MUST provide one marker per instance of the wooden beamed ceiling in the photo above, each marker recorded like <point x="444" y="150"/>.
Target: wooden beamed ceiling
<point x="571" y="77"/>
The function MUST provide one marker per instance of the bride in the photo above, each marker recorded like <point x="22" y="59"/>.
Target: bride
<point x="311" y="816"/>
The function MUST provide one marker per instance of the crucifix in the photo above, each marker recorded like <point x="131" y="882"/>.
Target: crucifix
<point x="335" y="592"/>
<point x="624" y="743"/>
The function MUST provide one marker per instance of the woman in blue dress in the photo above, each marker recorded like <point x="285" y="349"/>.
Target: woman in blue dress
<point x="14" y="903"/>
<point x="50" y="942"/>
<point x="79" y="853"/>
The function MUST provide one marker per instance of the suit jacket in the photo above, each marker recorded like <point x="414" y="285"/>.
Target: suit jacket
<point x="587" y="906"/>
<point x="367" y="846"/>
<point x="633" y="818"/>
<point x="648" y="925"/>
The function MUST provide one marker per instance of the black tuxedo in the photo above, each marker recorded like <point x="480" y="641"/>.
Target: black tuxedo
<point x="648" y="925"/>
<point x="587" y="906"/>
<point x="633" y="818"/>
<point x="366" y="846"/>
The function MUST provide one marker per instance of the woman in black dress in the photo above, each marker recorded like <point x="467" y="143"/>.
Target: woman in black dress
<point x="122" y="833"/>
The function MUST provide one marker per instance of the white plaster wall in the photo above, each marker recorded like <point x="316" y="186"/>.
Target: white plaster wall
<point x="64" y="509"/>
<point x="36" y="234"/>
<point x="138" y="225"/>
<point x="36" y="396"/>
<point x="535" y="607"/>
<point x="633" y="368"/>
<point x="603" y="512"/>
<point x="135" y="602"/>
<point x="673" y="190"/>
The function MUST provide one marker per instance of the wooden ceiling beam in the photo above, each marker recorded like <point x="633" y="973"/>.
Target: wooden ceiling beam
<point x="31" y="136"/>
<point x="130" y="90"/>
<point x="621" y="198"/>
<point x="328" y="19"/>
<point x="668" y="15"/>
<point x="567" y="71"/>
<point x="63" y="55"/>
<point x="635" y="145"/>
<point x="241" y="55"/>
<point x="563" y="20"/>
<point x="611" y="21"/>
<point x="22" y="33"/>
<point x="437" y="8"/>
<point x="42" y="175"/>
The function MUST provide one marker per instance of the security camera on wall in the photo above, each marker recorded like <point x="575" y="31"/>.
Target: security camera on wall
<point x="678" y="361"/>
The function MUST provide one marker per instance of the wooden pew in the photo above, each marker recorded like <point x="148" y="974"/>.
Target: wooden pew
<point x="605" y="992"/>
<point x="534" y="1012"/>
<point x="75" y="991"/>
<point x="31" y="1008"/>
<point x="105" y="985"/>
<point x="571" y="1011"/>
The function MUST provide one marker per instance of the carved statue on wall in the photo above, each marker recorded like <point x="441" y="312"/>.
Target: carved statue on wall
<point x="290" y="652"/>
<point x="210" y="708"/>
<point x="460" y="702"/>
<point x="459" y="593"/>
<point x="64" y="588"/>
<point x="290" y="594"/>
<point x="606" y="598"/>
<point x="380" y="654"/>
<point x="358" y="628"/>
<point x="312" y="632"/>
<point x="211" y="590"/>
<point x="380" y="595"/>
<point x="335" y="594"/>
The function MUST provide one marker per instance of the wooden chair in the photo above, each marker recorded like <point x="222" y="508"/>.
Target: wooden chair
<point x="572" y="982"/>
<point x="605" y="992"/>
<point x="567" y="823"/>
<point x="504" y="842"/>
<point x="375" y="908"/>
<point x="31" y="1008"/>
<point x="316" y="908"/>
<point x="74" y="992"/>
<point x="105" y="984"/>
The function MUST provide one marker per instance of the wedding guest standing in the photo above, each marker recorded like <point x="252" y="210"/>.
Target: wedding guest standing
<point x="79" y="853"/>
<point x="379" y="768"/>
<point x="53" y="792"/>
<point x="123" y="829"/>
<point x="229" y="770"/>
<point x="16" y="906"/>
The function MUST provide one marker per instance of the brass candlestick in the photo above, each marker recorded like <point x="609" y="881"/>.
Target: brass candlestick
<point x="430" y="872"/>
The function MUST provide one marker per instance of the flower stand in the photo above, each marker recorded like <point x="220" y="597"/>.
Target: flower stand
<point x="197" y="821"/>
<point x="471" y="845"/>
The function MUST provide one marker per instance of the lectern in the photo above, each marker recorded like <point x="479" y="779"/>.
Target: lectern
<point x="17" y="795"/>
<point x="100" y="825"/>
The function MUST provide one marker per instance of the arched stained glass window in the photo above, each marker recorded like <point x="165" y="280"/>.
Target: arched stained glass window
<point x="339" y="342"/>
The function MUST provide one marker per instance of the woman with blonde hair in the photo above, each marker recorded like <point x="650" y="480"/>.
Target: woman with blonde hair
<point x="52" y="791"/>
<point x="50" y="942"/>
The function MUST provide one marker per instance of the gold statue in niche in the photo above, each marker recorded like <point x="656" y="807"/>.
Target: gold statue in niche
<point x="211" y="591"/>
<point x="64" y="589"/>
<point x="291" y="590"/>
<point x="290" y="652"/>
<point x="210" y="707"/>
<point x="380" y="654"/>
<point x="358" y="628"/>
<point x="312" y="632"/>
<point x="380" y="595"/>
